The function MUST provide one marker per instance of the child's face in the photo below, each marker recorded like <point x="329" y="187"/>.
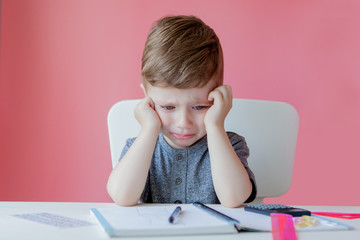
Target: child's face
<point x="181" y="112"/>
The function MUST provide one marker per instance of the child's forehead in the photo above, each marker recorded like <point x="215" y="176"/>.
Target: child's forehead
<point x="176" y="95"/>
<point x="196" y="92"/>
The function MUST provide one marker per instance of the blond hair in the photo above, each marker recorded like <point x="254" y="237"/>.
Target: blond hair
<point x="182" y="52"/>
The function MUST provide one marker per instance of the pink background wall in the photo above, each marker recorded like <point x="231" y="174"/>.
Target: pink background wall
<point x="65" y="63"/>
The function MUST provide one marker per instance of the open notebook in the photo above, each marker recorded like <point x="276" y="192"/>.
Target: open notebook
<point x="147" y="220"/>
<point x="152" y="220"/>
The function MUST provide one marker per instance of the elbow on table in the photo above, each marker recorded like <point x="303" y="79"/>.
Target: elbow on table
<point x="120" y="198"/>
<point x="234" y="200"/>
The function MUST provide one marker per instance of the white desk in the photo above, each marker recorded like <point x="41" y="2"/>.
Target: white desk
<point x="16" y="228"/>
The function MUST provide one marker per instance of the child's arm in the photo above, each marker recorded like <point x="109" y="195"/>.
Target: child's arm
<point x="127" y="180"/>
<point x="230" y="178"/>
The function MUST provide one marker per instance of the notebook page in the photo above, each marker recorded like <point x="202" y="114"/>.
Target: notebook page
<point x="156" y="217"/>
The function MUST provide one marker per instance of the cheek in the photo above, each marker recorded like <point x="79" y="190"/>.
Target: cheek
<point x="200" y="119"/>
<point x="165" y="118"/>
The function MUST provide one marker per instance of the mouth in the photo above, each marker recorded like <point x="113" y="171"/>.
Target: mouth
<point x="182" y="136"/>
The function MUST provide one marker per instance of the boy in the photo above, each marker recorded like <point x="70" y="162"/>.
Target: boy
<point x="182" y="153"/>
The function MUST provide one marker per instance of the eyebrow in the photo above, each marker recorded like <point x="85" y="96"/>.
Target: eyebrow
<point x="164" y="103"/>
<point x="201" y="101"/>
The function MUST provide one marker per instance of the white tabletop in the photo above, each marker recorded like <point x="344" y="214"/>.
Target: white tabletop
<point x="16" y="228"/>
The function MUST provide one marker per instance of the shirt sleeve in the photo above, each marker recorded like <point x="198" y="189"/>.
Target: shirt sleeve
<point x="240" y="146"/>
<point x="128" y="144"/>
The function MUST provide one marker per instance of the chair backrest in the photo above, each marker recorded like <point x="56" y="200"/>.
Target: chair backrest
<point x="270" y="129"/>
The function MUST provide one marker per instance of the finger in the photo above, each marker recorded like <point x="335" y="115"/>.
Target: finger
<point x="228" y="91"/>
<point x="216" y="95"/>
<point x="228" y="94"/>
<point x="225" y="91"/>
<point x="225" y="96"/>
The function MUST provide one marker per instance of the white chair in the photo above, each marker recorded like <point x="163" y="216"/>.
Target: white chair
<point x="270" y="129"/>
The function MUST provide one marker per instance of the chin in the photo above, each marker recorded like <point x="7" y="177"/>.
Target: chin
<point x="180" y="144"/>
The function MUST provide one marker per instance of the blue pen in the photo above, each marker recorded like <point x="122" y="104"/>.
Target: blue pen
<point x="175" y="214"/>
<point x="216" y="213"/>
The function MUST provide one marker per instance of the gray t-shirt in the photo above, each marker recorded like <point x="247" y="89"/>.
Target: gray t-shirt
<point x="184" y="175"/>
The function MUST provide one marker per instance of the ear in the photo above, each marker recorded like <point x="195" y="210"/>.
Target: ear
<point x="143" y="88"/>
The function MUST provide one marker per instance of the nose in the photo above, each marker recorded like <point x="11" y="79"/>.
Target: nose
<point x="183" y="120"/>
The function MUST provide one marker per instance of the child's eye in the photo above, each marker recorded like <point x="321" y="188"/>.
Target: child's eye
<point x="168" y="107"/>
<point x="200" y="107"/>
